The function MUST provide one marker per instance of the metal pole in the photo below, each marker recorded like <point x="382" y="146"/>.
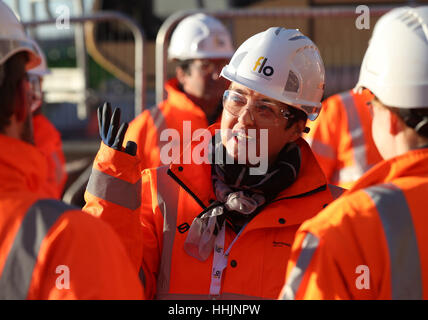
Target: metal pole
<point x="138" y="33"/>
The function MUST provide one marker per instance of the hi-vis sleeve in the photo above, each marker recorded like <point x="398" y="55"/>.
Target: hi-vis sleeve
<point x="306" y="263"/>
<point x="114" y="195"/>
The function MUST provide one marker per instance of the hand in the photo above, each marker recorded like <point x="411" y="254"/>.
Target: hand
<point x="110" y="132"/>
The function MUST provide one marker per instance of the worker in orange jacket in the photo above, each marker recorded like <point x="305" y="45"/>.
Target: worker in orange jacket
<point x="48" y="250"/>
<point x="341" y="138"/>
<point x="221" y="225"/>
<point x="46" y="137"/>
<point x="372" y="242"/>
<point x="201" y="46"/>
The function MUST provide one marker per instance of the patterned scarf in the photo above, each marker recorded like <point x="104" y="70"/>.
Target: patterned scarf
<point x="240" y="196"/>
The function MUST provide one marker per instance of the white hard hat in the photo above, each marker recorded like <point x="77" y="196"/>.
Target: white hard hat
<point x="395" y="66"/>
<point x="282" y="64"/>
<point x="42" y="69"/>
<point x="13" y="38"/>
<point x="200" y="36"/>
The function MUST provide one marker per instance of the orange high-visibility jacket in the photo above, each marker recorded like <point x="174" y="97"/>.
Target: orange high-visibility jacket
<point x="372" y="243"/>
<point x="341" y="138"/>
<point x="173" y="196"/>
<point x="49" y="250"/>
<point x="146" y="129"/>
<point x="48" y="140"/>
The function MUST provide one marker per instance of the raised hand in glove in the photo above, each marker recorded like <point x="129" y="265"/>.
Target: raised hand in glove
<point x="112" y="132"/>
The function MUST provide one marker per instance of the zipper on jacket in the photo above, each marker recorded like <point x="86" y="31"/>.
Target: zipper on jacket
<point x="181" y="183"/>
<point x="309" y="193"/>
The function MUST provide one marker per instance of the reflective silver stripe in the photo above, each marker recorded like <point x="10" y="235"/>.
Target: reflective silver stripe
<point x="309" y="245"/>
<point x="16" y="277"/>
<point x="115" y="190"/>
<point x="167" y="193"/>
<point x="394" y="212"/>
<point x="350" y="174"/>
<point x="158" y="118"/>
<point x="223" y="296"/>
<point x="321" y="148"/>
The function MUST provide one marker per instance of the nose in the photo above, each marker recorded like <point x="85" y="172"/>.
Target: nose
<point x="246" y="117"/>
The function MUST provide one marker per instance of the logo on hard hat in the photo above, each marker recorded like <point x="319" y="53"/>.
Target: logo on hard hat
<point x="260" y="67"/>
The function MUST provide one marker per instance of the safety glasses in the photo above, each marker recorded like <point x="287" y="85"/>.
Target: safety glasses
<point x="265" y="113"/>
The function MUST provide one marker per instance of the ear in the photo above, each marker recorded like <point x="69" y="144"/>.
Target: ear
<point x="21" y="107"/>
<point x="180" y="74"/>
<point x="297" y="130"/>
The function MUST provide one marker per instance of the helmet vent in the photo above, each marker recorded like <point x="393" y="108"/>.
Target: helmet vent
<point x="292" y="84"/>
<point x="297" y="38"/>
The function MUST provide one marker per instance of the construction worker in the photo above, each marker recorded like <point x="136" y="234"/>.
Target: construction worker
<point x="372" y="242"/>
<point x="48" y="250"/>
<point x="346" y="149"/>
<point x="46" y="137"/>
<point x="216" y="212"/>
<point x="200" y="46"/>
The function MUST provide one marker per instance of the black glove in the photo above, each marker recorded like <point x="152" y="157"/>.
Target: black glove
<point x="110" y="132"/>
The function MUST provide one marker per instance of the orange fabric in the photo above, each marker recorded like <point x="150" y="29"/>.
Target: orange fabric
<point x="48" y="140"/>
<point x="98" y="264"/>
<point x="351" y="234"/>
<point x="330" y="131"/>
<point x="175" y="109"/>
<point x="128" y="223"/>
<point x="262" y="250"/>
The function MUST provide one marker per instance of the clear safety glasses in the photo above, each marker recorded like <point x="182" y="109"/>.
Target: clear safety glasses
<point x="265" y="113"/>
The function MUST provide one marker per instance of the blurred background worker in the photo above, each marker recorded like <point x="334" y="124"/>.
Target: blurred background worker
<point x="341" y="138"/>
<point x="201" y="46"/>
<point x="221" y="227"/>
<point x="372" y="242"/>
<point x="48" y="250"/>
<point x="46" y="137"/>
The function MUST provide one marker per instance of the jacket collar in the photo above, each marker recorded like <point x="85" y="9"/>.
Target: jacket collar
<point x="22" y="166"/>
<point x="412" y="163"/>
<point x="180" y="100"/>
<point x="196" y="178"/>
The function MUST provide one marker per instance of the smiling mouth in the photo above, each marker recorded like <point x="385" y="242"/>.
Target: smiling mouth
<point x="241" y="136"/>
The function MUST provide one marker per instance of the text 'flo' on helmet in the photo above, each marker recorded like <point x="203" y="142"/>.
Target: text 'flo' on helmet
<point x="282" y="64"/>
<point x="13" y="38"/>
<point x="395" y="65"/>
<point x="200" y="36"/>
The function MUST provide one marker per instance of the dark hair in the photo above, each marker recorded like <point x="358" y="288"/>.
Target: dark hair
<point x="13" y="72"/>
<point x="296" y="116"/>
<point x="417" y="119"/>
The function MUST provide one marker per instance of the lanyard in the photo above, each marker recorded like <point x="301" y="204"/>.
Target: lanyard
<point x="220" y="259"/>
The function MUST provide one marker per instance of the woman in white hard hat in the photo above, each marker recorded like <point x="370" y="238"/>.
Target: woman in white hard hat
<point x="372" y="242"/>
<point x="199" y="219"/>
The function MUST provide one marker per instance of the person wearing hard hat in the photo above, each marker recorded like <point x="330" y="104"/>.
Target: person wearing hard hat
<point x="200" y="46"/>
<point x="346" y="150"/>
<point x="46" y="137"/>
<point x="372" y="242"/>
<point x="48" y="250"/>
<point x="222" y="226"/>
